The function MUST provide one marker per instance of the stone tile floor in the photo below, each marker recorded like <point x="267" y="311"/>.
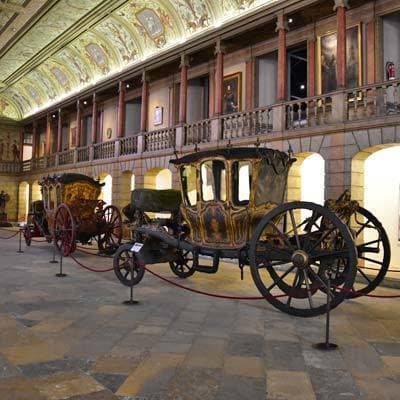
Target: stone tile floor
<point x="72" y="338"/>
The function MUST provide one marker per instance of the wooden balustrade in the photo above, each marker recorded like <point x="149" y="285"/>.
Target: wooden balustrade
<point x="104" y="150"/>
<point x="162" y="139"/>
<point x="249" y="123"/>
<point x="66" y="157"/>
<point x="83" y="154"/>
<point x="198" y="132"/>
<point x="11" y="167"/>
<point x="306" y="113"/>
<point x="51" y="160"/>
<point x="371" y="101"/>
<point x="128" y="145"/>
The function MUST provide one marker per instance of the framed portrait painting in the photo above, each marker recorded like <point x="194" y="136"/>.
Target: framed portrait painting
<point x="327" y="56"/>
<point x="232" y="96"/>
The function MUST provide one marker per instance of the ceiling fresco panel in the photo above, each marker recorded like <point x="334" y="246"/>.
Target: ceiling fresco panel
<point x="8" y="109"/>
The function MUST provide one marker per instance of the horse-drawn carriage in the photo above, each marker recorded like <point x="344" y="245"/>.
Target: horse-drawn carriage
<point x="71" y="212"/>
<point x="232" y="207"/>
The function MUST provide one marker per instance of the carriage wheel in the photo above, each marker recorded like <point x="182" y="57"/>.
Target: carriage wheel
<point x="111" y="232"/>
<point x="373" y="247"/>
<point x="184" y="265"/>
<point x="27" y="234"/>
<point x="293" y="251"/>
<point x="123" y="261"/>
<point x="64" y="230"/>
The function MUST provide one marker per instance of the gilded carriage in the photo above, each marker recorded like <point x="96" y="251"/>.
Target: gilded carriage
<point x="232" y="207"/>
<point x="72" y="213"/>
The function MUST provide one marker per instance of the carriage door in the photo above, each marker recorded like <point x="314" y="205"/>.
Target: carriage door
<point x="214" y="207"/>
<point x="241" y="185"/>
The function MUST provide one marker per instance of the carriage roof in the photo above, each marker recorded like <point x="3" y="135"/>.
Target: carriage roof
<point x="68" y="178"/>
<point x="238" y="153"/>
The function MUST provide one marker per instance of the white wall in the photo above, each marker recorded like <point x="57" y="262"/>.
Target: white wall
<point x="110" y="119"/>
<point x="382" y="194"/>
<point x="312" y="172"/>
<point x="267" y="79"/>
<point x="391" y="35"/>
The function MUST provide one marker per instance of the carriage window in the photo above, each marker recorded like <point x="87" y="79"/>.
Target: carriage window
<point x="213" y="180"/>
<point x="271" y="184"/>
<point x="241" y="182"/>
<point x="52" y="198"/>
<point x="189" y="175"/>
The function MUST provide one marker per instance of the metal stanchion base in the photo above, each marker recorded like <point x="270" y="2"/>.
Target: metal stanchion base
<point x="60" y="275"/>
<point x="20" y="251"/>
<point x="53" y="262"/>
<point x="130" y="302"/>
<point x="325" y="346"/>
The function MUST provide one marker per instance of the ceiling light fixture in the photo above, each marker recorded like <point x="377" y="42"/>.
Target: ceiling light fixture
<point x="290" y="20"/>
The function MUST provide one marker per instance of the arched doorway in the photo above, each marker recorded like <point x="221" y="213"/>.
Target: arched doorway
<point x="158" y="178"/>
<point x="36" y="193"/>
<point x="23" y="201"/>
<point x="126" y="186"/>
<point x="106" y="190"/>
<point x="376" y="185"/>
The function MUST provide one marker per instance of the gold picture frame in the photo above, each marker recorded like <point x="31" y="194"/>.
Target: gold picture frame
<point x="232" y="93"/>
<point x="326" y="60"/>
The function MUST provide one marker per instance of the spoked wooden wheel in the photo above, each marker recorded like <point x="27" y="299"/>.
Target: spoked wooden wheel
<point x="294" y="250"/>
<point x="64" y="230"/>
<point x="184" y="265"/>
<point x="373" y="248"/>
<point x="127" y="267"/>
<point x="111" y="230"/>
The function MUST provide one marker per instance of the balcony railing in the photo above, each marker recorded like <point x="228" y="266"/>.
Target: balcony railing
<point x="306" y="113"/>
<point x="104" y="150"/>
<point x="128" y="145"/>
<point x="198" y="132"/>
<point x="362" y="103"/>
<point x="245" y="124"/>
<point x="162" y="139"/>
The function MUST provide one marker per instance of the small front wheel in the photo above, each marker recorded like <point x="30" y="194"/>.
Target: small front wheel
<point x="184" y="264"/>
<point x="127" y="267"/>
<point x="293" y="252"/>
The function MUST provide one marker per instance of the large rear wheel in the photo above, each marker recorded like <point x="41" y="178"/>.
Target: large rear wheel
<point x="293" y="252"/>
<point x="64" y="230"/>
<point x="111" y="230"/>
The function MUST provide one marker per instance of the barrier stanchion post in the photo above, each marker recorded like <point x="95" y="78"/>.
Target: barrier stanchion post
<point x="54" y="261"/>
<point x="327" y="345"/>
<point x="20" y="242"/>
<point x="61" y="274"/>
<point x="131" y="302"/>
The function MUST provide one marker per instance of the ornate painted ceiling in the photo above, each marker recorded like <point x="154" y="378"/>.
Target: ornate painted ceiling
<point x="73" y="44"/>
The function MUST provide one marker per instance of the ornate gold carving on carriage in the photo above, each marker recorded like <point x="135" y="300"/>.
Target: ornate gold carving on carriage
<point x="233" y="207"/>
<point x="71" y="212"/>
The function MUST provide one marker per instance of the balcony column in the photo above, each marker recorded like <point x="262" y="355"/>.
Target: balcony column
<point x="184" y="89"/>
<point x="250" y="84"/>
<point x="282" y="28"/>
<point x="78" y="124"/>
<point x="94" y="118"/>
<point x="59" y="132"/>
<point x="21" y="146"/>
<point x="35" y="140"/>
<point x="371" y="67"/>
<point x="145" y="102"/>
<point x="340" y="8"/>
<point x="311" y="67"/>
<point x="219" y="79"/>
<point x="48" y="135"/>
<point x="121" y="110"/>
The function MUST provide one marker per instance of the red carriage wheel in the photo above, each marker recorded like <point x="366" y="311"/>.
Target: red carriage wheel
<point x="110" y="235"/>
<point x="64" y="230"/>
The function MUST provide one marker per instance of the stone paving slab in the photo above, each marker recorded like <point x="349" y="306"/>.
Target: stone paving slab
<point x="72" y="339"/>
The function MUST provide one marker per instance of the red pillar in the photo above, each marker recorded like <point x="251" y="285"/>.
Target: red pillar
<point x="35" y="140"/>
<point x="94" y="119"/>
<point x="281" y="28"/>
<point x="78" y="124"/>
<point x="219" y="79"/>
<point x="250" y="84"/>
<point x="371" y="68"/>
<point x="121" y="110"/>
<point x="311" y="67"/>
<point x="59" y="132"/>
<point x="340" y="8"/>
<point x="183" y="91"/>
<point x="48" y="135"/>
<point x="211" y="95"/>
<point x="145" y="103"/>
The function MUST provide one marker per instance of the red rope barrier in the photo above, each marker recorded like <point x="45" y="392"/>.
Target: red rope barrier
<point x="89" y="268"/>
<point x="10" y="237"/>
